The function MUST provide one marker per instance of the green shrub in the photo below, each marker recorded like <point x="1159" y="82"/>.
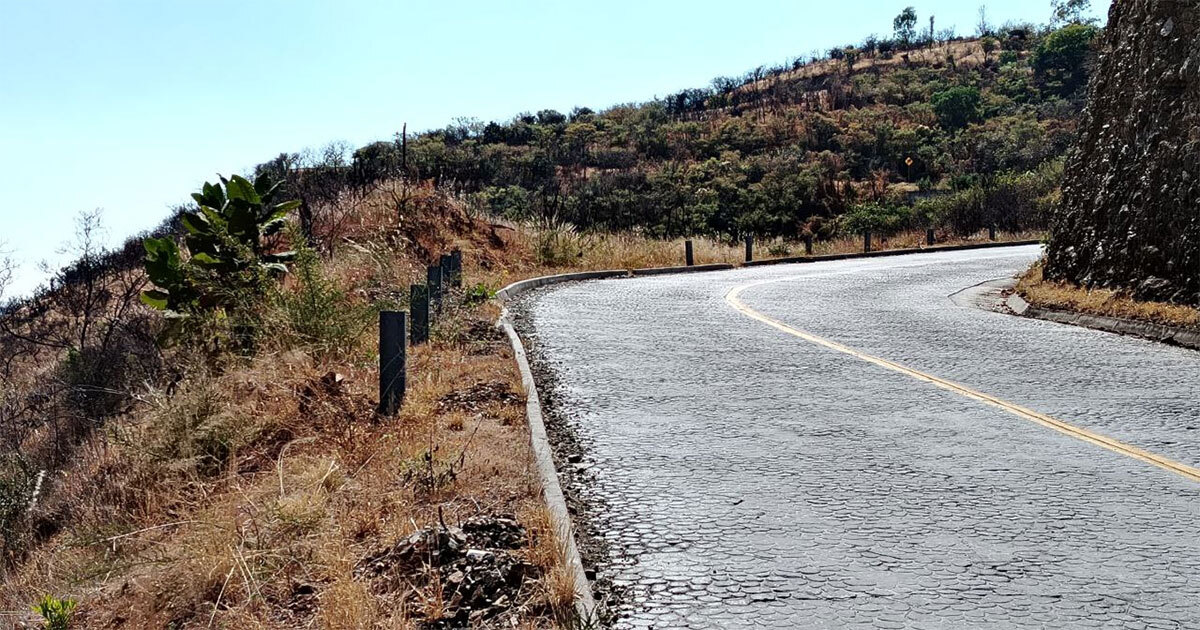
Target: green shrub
<point x="877" y="219"/>
<point x="229" y="268"/>
<point x="1059" y="61"/>
<point x="56" y="613"/>
<point x="316" y="313"/>
<point x="956" y="107"/>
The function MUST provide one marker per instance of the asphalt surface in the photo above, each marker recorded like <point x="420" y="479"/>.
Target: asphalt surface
<point x="749" y="478"/>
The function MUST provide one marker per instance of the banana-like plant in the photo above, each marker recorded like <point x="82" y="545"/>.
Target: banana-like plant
<point x="225" y="238"/>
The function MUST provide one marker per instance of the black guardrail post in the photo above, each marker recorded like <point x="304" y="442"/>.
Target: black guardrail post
<point x="866" y="242"/>
<point x="433" y="280"/>
<point x="991" y="232"/>
<point x="391" y="362"/>
<point x="808" y="240"/>
<point x="456" y="268"/>
<point x="749" y="248"/>
<point x="929" y="237"/>
<point x="418" y="305"/>
<point x="687" y="253"/>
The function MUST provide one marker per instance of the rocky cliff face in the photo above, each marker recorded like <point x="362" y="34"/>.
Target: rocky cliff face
<point x="1131" y="196"/>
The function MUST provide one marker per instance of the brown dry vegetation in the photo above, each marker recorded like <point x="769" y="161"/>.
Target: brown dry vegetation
<point x="248" y="496"/>
<point x="1064" y="296"/>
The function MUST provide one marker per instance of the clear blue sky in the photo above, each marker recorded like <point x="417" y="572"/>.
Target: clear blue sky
<point x="129" y="105"/>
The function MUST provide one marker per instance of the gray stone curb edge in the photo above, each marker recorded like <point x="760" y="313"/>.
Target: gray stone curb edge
<point x="1154" y="332"/>
<point x="543" y="458"/>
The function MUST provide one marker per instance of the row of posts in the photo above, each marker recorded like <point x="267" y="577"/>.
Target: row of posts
<point x="397" y="330"/>
<point x="930" y="239"/>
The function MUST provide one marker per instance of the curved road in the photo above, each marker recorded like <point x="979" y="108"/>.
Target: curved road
<point x="766" y="451"/>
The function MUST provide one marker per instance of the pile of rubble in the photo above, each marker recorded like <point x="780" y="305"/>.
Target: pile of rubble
<point x="480" y="576"/>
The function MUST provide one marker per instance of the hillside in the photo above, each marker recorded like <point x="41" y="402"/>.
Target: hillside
<point x="783" y="151"/>
<point x="204" y="450"/>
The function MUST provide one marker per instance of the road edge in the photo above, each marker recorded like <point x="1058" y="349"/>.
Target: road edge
<point x="889" y="252"/>
<point x="1160" y="333"/>
<point x="543" y="457"/>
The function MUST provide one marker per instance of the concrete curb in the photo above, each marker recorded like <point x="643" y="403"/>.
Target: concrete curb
<point x="513" y="290"/>
<point x="658" y="271"/>
<point x="1146" y="330"/>
<point x="889" y="252"/>
<point x="543" y="457"/>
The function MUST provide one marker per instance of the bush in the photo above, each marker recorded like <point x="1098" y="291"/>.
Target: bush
<point x="878" y="219"/>
<point x="1060" y="59"/>
<point x="318" y="314"/>
<point x="956" y="107"/>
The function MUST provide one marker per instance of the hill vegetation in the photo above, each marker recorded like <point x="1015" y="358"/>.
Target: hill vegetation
<point x="890" y="134"/>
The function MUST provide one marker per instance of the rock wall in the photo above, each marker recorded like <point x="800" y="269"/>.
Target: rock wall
<point x="1130" y="217"/>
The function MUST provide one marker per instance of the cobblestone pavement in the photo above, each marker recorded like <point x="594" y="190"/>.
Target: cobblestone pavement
<point x="748" y="478"/>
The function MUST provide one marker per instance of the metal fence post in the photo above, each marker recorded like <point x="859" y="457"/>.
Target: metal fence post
<point x="687" y="253"/>
<point x="929" y="236"/>
<point x="456" y="268"/>
<point x="808" y="240"/>
<point x="866" y="242"/>
<point x="749" y="248"/>
<point x="433" y="280"/>
<point x="418" y="305"/>
<point x="391" y="362"/>
<point x="991" y="232"/>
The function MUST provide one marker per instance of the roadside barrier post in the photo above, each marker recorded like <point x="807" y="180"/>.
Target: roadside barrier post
<point x="456" y="268"/>
<point x="929" y="236"/>
<point x="991" y="232"/>
<point x="749" y="248"/>
<point x="808" y="238"/>
<point x="391" y="362"/>
<point x="433" y="280"/>
<point x="446" y="264"/>
<point x="418" y="304"/>
<point x="866" y="242"/>
<point x="687" y="253"/>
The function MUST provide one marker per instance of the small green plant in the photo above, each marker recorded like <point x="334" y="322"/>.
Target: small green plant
<point x="56" y="613"/>
<point x="478" y="294"/>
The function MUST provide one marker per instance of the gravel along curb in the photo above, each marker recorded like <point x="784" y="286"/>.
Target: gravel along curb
<point x="889" y="252"/>
<point x="585" y="603"/>
<point x="1154" y="332"/>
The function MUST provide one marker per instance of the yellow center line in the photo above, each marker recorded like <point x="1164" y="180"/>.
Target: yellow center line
<point x="1078" y="433"/>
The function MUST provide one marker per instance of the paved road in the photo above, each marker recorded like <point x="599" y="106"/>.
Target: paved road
<point x="756" y="479"/>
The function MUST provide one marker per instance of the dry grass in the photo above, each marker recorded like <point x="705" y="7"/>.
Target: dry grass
<point x="246" y="499"/>
<point x="1038" y="291"/>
